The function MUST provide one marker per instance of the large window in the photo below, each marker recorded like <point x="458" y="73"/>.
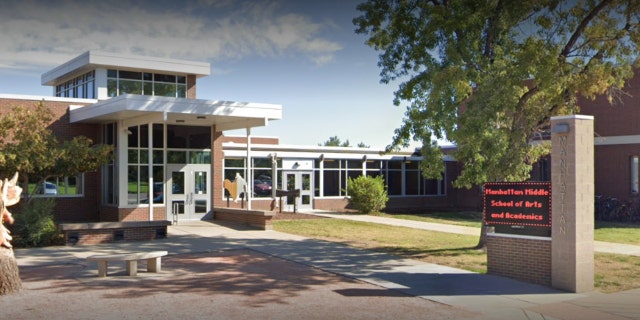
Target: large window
<point x="262" y="177"/>
<point x="138" y="169"/>
<point x="82" y="86"/>
<point x="262" y="174"/>
<point x="332" y="183"/>
<point x="145" y="83"/>
<point x="413" y="178"/>
<point x="336" y="173"/>
<point x="109" y="171"/>
<point x="393" y="169"/>
<point x="233" y="166"/>
<point x="58" y="187"/>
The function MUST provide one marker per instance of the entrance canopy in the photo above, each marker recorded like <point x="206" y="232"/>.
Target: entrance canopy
<point x="225" y="115"/>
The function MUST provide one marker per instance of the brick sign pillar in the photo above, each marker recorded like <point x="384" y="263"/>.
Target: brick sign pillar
<point x="572" y="181"/>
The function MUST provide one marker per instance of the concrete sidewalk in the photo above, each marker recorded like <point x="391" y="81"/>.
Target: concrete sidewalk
<point x="599" y="246"/>
<point x="489" y="296"/>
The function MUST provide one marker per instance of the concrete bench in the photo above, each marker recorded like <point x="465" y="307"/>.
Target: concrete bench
<point x="131" y="259"/>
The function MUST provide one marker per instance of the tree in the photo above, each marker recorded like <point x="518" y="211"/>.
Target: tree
<point x="336" y="142"/>
<point x="30" y="147"/>
<point x="488" y="75"/>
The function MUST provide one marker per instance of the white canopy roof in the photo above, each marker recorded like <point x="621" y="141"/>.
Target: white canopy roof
<point x="225" y="115"/>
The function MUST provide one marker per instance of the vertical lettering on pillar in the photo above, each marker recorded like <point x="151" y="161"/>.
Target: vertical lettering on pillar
<point x="563" y="183"/>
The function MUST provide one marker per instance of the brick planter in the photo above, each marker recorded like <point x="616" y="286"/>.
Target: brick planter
<point x="258" y="219"/>
<point x="106" y="232"/>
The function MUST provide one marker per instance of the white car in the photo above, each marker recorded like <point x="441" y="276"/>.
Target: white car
<point x="46" y="188"/>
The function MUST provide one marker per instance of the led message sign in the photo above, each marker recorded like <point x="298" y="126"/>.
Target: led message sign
<point x="517" y="204"/>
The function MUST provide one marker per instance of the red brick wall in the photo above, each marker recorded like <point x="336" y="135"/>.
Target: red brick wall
<point x="619" y="118"/>
<point x="523" y="258"/>
<point x="264" y="204"/>
<point x="612" y="170"/>
<point x="217" y="164"/>
<point x="142" y="214"/>
<point x="254" y="218"/>
<point x="108" y="213"/>
<point x="331" y="204"/>
<point x="256" y="140"/>
<point x="98" y="236"/>
<point x="191" y="86"/>
<point x="612" y="162"/>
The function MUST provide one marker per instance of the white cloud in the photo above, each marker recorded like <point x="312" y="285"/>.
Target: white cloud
<point x="43" y="34"/>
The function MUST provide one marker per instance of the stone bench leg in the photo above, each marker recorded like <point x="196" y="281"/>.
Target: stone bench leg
<point x="132" y="267"/>
<point x="102" y="269"/>
<point x="153" y="264"/>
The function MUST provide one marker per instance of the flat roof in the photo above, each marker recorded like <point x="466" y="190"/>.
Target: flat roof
<point x="225" y="115"/>
<point x="93" y="59"/>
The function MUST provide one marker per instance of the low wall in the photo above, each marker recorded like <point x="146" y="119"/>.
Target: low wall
<point x="262" y="220"/>
<point x="524" y="258"/>
<point x="105" y="232"/>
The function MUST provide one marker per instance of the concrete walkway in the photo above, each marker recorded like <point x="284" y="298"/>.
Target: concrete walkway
<point x="599" y="246"/>
<point x="485" y="296"/>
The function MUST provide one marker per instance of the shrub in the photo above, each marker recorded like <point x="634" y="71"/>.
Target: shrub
<point x="34" y="225"/>
<point x="367" y="194"/>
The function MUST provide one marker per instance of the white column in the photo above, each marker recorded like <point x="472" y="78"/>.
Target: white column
<point x="274" y="176"/>
<point x="635" y="179"/>
<point x="248" y="175"/>
<point x="321" y="175"/>
<point x="122" y="161"/>
<point x="150" y="164"/>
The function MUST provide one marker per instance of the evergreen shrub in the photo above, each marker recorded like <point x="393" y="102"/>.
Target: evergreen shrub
<point x="34" y="225"/>
<point x="367" y="194"/>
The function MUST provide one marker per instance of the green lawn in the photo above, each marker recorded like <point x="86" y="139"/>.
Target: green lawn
<point x="617" y="232"/>
<point x="612" y="272"/>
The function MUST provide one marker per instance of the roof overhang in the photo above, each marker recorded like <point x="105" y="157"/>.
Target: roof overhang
<point x="225" y="115"/>
<point x="91" y="60"/>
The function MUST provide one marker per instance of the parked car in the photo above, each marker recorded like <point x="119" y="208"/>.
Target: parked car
<point x="262" y="188"/>
<point x="46" y="188"/>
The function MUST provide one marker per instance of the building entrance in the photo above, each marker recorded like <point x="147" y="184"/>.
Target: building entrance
<point x="188" y="191"/>
<point x="299" y="180"/>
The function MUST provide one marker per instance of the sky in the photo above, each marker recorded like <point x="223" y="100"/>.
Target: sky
<point x="301" y="54"/>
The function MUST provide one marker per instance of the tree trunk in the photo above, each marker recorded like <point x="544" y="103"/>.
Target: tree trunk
<point x="482" y="243"/>
<point x="9" y="275"/>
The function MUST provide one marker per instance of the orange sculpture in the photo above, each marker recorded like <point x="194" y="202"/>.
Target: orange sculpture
<point x="235" y="188"/>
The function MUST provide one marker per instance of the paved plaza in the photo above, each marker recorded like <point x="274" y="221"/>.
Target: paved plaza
<point x="216" y="271"/>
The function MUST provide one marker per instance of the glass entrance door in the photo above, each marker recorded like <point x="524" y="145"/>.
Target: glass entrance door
<point x="299" y="180"/>
<point x="189" y="195"/>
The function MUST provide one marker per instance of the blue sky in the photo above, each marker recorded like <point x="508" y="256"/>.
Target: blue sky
<point x="301" y="54"/>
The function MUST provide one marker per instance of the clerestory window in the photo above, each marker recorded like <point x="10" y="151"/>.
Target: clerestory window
<point x="82" y="86"/>
<point x="145" y="83"/>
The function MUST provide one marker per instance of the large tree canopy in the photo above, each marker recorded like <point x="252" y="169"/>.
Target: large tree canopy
<point x="487" y="75"/>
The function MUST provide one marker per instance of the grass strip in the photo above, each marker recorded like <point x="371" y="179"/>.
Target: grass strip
<point x="612" y="272"/>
